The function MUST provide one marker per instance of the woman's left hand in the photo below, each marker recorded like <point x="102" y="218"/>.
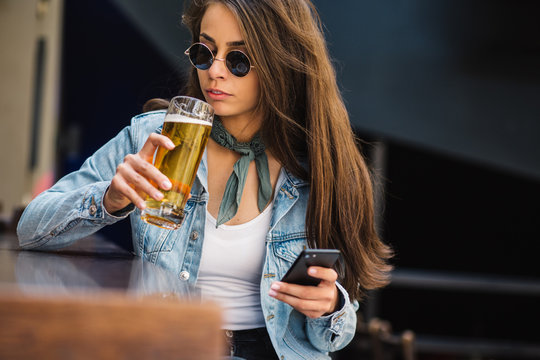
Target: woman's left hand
<point x="312" y="301"/>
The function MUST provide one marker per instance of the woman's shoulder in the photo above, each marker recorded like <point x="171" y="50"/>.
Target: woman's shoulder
<point x="150" y="120"/>
<point x="143" y="125"/>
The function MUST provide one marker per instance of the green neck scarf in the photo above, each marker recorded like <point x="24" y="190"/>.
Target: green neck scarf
<point x="252" y="150"/>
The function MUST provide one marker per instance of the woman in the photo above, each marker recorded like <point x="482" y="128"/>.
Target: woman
<point x="264" y="67"/>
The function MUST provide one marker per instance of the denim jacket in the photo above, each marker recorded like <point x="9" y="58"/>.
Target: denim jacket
<point x="73" y="208"/>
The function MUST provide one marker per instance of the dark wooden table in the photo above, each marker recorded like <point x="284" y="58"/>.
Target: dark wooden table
<point x="94" y="300"/>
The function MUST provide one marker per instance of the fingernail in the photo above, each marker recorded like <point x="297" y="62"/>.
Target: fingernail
<point x="275" y="286"/>
<point x="272" y="293"/>
<point x="142" y="205"/>
<point x="166" y="185"/>
<point x="158" y="195"/>
<point x="170" y="144"/>
<point x="312" y="271"/>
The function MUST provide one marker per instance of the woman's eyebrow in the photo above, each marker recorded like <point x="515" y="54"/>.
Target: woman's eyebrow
<point x="208" y="37"/>
<point x="236" y="43"/>
<point x="231" y="43"/>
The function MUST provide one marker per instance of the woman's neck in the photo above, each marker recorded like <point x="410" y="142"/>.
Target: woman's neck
<point x="243" y="129"/>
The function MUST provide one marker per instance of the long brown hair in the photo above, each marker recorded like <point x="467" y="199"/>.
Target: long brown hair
<point x="306" y="119"/>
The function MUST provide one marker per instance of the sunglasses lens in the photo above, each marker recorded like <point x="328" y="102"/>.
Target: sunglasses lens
<point x="200" y="56"/>
<point x="238" y="63"/>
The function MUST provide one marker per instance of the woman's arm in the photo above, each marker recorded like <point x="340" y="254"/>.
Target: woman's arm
<point x="73" y="207"/>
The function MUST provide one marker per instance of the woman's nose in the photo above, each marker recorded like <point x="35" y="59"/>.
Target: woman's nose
<point x="218" y="69"/>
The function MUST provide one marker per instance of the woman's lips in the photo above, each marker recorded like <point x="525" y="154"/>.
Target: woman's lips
<point x="216" y="94"/>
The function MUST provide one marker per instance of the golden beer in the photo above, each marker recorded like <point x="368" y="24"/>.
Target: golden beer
<point x="180" y="165"/>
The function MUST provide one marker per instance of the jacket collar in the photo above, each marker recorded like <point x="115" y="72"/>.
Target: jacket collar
<point x="296" y="182"/>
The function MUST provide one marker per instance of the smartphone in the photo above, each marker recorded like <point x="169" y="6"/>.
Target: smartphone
<point x="297" y="274"/>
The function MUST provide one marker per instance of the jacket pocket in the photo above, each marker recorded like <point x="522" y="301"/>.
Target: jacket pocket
<point x="289" y="250"/>
<point x="286" y="252"/>
<point x="155" y="239"/>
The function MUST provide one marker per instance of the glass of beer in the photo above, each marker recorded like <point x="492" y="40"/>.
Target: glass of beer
<point x="187" y="123"/>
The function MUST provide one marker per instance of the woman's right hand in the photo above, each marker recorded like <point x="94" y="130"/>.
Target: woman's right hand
<point x="132" y="181"/>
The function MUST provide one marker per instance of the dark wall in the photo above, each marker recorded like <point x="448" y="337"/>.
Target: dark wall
<point x="448" y="216"/>
<point x="459" y="77"/>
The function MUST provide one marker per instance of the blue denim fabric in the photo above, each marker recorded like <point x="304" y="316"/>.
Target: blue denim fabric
<point x="73" y="209"/>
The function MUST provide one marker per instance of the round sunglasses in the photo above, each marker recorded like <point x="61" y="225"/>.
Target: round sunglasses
<point x="202" y="58"/>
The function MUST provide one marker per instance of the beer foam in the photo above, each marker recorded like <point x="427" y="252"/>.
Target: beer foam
<point x="184" y="119"/>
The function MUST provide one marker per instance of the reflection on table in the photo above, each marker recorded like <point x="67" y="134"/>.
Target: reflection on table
<point x="95" y="300"/>
<point x="55" y="273"/>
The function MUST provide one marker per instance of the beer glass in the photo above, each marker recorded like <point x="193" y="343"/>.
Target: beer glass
<point x="187" y="123"/>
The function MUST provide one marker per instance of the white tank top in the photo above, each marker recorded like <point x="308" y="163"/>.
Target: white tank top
<point x="231" y="268"/>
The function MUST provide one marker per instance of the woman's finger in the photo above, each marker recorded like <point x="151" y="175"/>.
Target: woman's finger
<point x="310" y="308"/>
<point x="126" y="191"/>
<point x="298" y="291"/>
<point x="312" y="301"/>
<point x="151" y="144"/>
<point x="139" y="183"/>
<point x="325" y="274"/>
<point x="141" y="168"/>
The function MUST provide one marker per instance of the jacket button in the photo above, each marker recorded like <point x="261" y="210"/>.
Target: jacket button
<point x="194" y="235"/>
<point x="184" y="275"/>
<point x="92" y="209"/>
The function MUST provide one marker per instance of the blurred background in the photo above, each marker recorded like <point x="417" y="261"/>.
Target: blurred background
<point x="445" y="94"/>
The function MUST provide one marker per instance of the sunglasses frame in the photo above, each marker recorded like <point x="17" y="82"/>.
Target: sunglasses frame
<point x="218" y="59"/>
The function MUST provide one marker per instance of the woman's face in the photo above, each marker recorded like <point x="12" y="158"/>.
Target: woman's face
<point x="232" y="97"/>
